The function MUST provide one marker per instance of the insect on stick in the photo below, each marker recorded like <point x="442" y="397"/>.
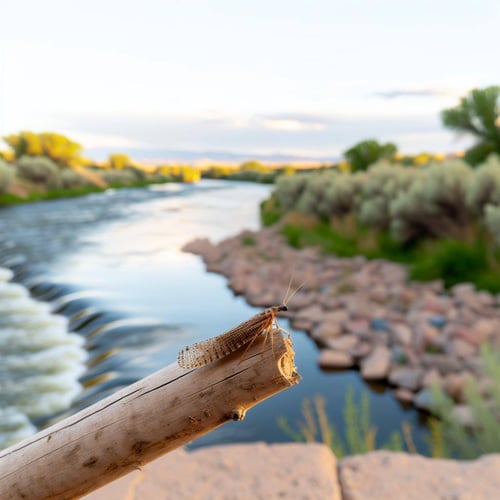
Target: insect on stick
<point x="205" y="352"/>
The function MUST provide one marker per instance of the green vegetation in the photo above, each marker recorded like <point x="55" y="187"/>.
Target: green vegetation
<point x="451" y="436"/>
<point x="360" y="436"/>
<point x="455" y="437"/>
<point x="477" y="114"/>
<point x="443" y="220"/>
<point x="366" y="153"/>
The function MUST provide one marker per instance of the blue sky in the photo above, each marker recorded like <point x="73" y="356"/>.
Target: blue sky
<point x="296" y="77"/>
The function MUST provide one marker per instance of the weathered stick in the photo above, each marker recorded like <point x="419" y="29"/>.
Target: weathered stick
<point x="143" y="421"/>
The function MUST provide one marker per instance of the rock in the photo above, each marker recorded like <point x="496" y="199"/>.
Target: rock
<point x="325" y="331"/>
<point x="376" y="365"/>
<point x="302" y="324"/>
<point x="342" y="343"/>
<point x="441" y="362"/>
<point x="358" y="327"/>
<point x="431" y="378"/>
<point x="338" y="316"/>
<point x="454" y="384"/>
<point x="239" y="471"/>
<point x="407" y="378"/>
<point x="378" y="293"/>
<point x="438" y="321"/>
<point x="361" y="350"/>
<point x="460" y="348"/>
<point x="401" y="333"/>
<point x="386" y="475"/>
<point x="483" y="329"/>
<point x="330" y="358"/>
<point x="312" y="313"/>
<point x="403" y="395"/>
<point x="424" y="400"/>
<point x="379" y="324"/>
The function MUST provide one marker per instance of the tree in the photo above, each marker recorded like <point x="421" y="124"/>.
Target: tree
<point x="365" y="153"/>
<point x="478" y="114"/>
<point x="56" y="147"/>
<point x="119" y="161"/>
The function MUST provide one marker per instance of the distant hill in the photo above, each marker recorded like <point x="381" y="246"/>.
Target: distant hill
<point x="157" y="156"/>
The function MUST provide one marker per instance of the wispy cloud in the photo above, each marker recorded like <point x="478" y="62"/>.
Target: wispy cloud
<point x="415" y="92"/>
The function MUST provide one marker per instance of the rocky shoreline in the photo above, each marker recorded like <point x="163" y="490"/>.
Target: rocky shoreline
<point x="366" y="314"/>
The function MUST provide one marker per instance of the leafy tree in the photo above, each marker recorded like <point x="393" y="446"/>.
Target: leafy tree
<point x="478" y="114"/>
<point x="56" y="147"/>
<point x="119" y="161"/>
<point x="254" y="165"/>
<point x="365" y="153"/>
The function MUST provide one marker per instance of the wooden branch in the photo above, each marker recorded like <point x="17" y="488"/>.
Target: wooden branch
<point x="143" y="421"/>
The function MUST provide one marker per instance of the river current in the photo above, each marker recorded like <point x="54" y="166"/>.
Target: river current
<point x="96" y="293"/>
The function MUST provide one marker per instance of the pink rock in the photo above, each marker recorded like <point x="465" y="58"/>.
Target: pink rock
<point x="460" y="348"/>
<point x="312" y="313"/>
<point x="359" y="327"/>
<point x="431" y="378"/>
<point x="325" y="331"/>
<point x="361" y="350"/>
<point x="403" y="395"/>
<point x="330" y="358"/>
<point x="386" y="475"/>
<point x="401" y="333"/>
<point x="342" y="343"/>
<point x="376" y="365"/>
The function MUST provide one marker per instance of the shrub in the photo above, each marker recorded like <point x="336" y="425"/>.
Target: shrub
<point x="7" y="174"/>
<point x="484" y="187"/>
<point x="39" y="169"/>
<point x="434" y="205"/>
<point x="383" y="183"/>
<point x="119" y="177"/>
<point x="289" y="189"/>
<point x="70" y="179"/>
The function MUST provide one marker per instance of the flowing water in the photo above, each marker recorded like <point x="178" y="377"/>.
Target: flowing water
<point x="109" y="268"/>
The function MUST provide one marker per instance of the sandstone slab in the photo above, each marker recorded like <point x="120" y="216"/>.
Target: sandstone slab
<point x="384" y="475"/>
<point x="239" y="471"/>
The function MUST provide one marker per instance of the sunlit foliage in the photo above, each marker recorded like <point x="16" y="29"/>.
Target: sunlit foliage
<point x="57" y="147"/>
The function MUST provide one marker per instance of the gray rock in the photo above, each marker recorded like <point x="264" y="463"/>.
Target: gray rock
<point x="424" y="400"/>
<point x="407" y="378"/>
<point x="325" y="331"/>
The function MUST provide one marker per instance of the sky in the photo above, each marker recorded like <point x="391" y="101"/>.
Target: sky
<point x="307" y="78"/>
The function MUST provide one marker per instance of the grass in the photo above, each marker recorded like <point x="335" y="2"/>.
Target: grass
<point x="359" y="434"/>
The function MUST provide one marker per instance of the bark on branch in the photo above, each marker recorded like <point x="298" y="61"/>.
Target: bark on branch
<point x="143" y="421"/>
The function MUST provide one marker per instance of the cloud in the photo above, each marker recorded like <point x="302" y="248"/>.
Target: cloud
<point x="425" y="92"/>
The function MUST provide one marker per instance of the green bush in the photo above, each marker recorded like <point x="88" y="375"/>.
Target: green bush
<point x="123" y="177"/>
<point x="452" y="261"/>
<point x="7" y="174"/>
<point x="39" y="169"/>
<point x="484" y="187"/>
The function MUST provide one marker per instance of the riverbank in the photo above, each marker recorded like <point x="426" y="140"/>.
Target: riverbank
<point x="303" y="471"/>
<point x="367" y="315"/>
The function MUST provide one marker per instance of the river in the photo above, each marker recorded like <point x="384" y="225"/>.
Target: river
<point x="111" y="266"/>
